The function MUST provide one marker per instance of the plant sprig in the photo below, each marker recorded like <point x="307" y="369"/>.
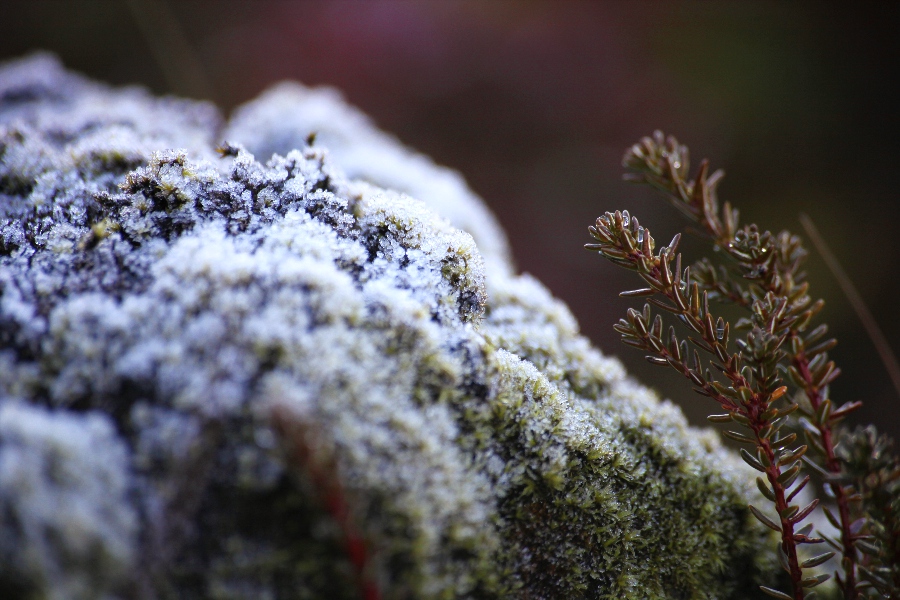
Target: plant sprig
<point x="762" y="274"/>
<point x="750" y="386"/>
<point x="763" y="266"/>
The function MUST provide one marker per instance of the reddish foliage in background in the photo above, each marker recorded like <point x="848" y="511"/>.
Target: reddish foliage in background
<point x="320" y="471"/>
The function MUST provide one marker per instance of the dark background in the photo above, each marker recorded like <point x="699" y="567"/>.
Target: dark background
<point x="535" y="102"/>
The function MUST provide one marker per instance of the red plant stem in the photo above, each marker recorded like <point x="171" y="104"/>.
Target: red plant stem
<point x="788" y="544"/>
<point x="332" y="496"/>
<point x="753" y="411"/>
<point x="354" y="544"/>
<point x="833" y="464"/>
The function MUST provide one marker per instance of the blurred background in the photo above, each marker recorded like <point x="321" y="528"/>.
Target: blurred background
<point x="535" y="102"/>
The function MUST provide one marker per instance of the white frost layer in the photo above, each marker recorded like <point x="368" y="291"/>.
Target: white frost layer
<point x="238" y="322"/>
<point x="282" y="117"/>
<point x="64" y="481"/>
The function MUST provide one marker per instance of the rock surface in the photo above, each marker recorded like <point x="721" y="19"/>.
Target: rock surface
<point x="269" y="373"/>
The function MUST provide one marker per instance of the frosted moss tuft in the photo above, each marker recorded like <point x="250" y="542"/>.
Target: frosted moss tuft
<point x="68" y="525"/>
<point x="276" y="379"/>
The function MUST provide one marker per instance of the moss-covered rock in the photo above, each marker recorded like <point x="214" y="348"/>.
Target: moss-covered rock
<point x="274" y="379"/>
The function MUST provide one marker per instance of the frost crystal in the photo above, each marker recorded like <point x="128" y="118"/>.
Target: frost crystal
<point x="227" y="378"/>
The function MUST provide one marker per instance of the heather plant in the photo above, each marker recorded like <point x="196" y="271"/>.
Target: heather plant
<point x="769" y="371"/>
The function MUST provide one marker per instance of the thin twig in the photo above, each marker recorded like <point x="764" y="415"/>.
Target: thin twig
<point x="862" y="311"/>
<point x="180" y="65"/>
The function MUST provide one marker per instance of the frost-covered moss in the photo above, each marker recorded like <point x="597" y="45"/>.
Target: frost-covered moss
<point x="277" y="380"/>
<point x="67" y="524"/>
